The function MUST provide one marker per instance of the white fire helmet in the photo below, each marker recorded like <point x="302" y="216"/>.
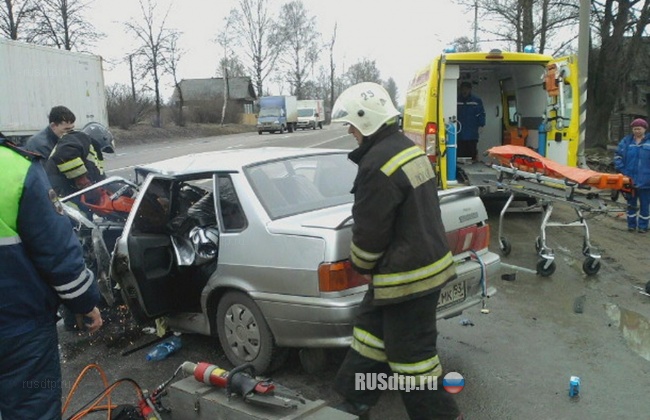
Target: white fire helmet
<point x="367" y="106"/>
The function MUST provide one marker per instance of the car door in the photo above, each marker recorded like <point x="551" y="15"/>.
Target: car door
<point x="147" y="261"/>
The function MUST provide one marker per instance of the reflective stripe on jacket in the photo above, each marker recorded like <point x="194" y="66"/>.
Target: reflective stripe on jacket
<point x="73" y="156"/>
<point x="398" y="235"/>
<point x="41" y="258"/>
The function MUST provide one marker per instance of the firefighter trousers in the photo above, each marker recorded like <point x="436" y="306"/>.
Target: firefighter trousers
<point x="397" y="341"/>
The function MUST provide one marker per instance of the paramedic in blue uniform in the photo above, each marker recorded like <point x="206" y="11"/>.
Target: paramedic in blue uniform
<point x="42" y="266"/>
<point x="471" y="116"/>
<point x="632" y="158"/>
<point x="399" y="244"/>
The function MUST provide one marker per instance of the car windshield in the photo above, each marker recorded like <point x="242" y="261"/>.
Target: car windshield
<point x="305" y="112"/>
<point x="303" y="184"/>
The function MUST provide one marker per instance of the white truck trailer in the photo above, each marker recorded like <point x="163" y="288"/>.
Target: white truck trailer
<point x="35" y="78"/>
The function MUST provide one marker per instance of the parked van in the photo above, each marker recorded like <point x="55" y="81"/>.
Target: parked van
<point x="529" y="99"/>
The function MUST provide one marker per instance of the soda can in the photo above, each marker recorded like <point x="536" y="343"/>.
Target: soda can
<point x="574" y="386"/>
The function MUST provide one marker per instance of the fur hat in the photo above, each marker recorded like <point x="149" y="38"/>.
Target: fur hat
<point x="639" y="122"/>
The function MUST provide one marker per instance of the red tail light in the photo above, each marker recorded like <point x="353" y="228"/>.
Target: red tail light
<point x="469" y="238"/>
<point x="431" y="138"/>
<point x="334" y="277"/>
<point x="431" y="128"/>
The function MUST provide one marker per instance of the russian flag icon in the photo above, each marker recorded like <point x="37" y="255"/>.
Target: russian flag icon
<point x="453" y="382"/>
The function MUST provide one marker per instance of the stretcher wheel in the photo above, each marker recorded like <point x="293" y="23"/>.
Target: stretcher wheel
<point x="591" y="266"/>
<point x="545" y="272"/>
<point x="505" y="246"/>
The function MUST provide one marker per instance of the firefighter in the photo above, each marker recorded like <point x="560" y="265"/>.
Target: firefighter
<point x="399" y="244"/>
<point x="42" y="266"/>
<point x="77" y="161"/>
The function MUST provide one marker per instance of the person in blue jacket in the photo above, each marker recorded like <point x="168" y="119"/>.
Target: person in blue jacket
<point x="42" y="265"/>
<point x="632" y="158"/>
<point x="61" y="121"/>
<point x="471" y="116"/>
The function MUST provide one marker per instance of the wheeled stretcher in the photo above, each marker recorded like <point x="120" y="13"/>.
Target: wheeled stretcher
<point x="524" y="172"/>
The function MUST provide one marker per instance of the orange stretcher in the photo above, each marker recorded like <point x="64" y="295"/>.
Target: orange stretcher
<point x="525" y="172"/>
<point x="525" y="159"/>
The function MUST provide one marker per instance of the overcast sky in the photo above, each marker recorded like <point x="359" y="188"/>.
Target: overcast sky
<point x="401" y="37"/>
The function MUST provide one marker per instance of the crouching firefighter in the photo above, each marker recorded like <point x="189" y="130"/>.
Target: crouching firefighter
<point x="77" y="162"/>
<point x="399" y="243"/>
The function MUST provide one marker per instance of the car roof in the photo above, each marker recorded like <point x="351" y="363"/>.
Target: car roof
<point x="228" y="160"/>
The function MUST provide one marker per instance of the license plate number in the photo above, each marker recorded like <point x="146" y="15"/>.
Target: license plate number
<point x="451" y="294"/>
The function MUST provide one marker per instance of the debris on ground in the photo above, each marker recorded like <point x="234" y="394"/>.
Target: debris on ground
<point x="466" y="322"/>
<point x="579" y="304"/>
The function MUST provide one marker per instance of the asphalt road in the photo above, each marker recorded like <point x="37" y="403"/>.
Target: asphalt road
<point x="516" y="360"/>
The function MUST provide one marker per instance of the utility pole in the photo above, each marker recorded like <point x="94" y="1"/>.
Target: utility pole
<point x="475" y="25"/>
<point x="583" y="71"/>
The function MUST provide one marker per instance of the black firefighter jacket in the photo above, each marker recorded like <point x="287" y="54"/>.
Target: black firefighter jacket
<point x="398" y="235"/>
<point x="72" y="157"/>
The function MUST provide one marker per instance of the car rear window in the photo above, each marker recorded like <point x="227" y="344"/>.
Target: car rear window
<point x="302" y="184"/>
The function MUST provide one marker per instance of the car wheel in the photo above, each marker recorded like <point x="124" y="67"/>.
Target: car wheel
<point x="259" y="132"/>
<point x="243" y="333"/>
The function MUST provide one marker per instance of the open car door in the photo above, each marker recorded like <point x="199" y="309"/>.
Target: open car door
<point x="156" y="275"/>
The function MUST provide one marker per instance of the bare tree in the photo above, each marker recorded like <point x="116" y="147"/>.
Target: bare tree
<point x="255" y="31"/>
<point x="463" y="44"/>
<point x="332" y="66"/>
<point x="154" y="37"/>
<point x="391" y="88"/>
<point x="528" y="22"/>
<point x="61" y="23"/>
<point x="231" y="66"/>
<point x="363" y="71"/>
<point x="621" y="25"/>
<point x="225" y="39"/>
<point x="171" y="61"/>
<point x="298" y="33"/>
<point x="13" y="13"/>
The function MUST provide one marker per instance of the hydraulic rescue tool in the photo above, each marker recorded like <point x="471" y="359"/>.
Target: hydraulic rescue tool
<point x="241" y="382"/>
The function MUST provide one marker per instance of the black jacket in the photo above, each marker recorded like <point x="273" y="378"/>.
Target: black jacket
<point x="42" y="142"/>
<point x="72" y="157"/>
<point x="398" y="235"/>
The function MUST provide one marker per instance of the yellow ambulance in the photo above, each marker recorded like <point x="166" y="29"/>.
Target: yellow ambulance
<point x="529" y="99"/>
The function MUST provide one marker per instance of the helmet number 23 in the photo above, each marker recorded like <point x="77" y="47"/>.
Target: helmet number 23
<point x="367" y="95"/>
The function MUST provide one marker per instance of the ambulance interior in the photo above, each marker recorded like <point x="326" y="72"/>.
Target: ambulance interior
<point x="514" y="100"/>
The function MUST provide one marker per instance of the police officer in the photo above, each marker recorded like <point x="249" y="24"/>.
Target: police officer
<point x="42" y="266"/>
<point x="399" y="243"/>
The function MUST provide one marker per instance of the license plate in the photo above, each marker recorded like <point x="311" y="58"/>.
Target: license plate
<point x="451" y="294"/>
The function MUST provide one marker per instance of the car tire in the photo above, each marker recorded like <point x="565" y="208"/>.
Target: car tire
<point x="244" y="335"/>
